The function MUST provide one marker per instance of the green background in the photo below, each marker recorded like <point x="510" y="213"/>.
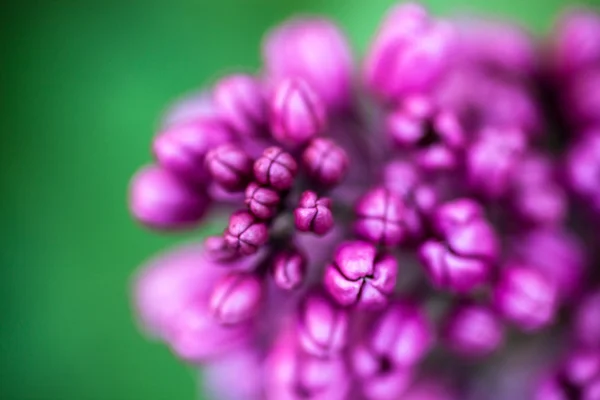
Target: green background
<point x="83" y="83"/>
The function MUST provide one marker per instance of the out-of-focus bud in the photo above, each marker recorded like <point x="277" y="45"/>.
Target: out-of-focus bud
<point x="236" y="298"/>
<point x="583" y="169"/>
<point x="314" y="50"/>
<point x="218" y="250"/>
<point x="325" y="162"/>
<point x="587" y="321"/>
<point x="577" y="42"/>
<point x="230" y="167"/>
<point x="381" y="217"/>
<point x="160" y="200"/>
<point x="526" y="297"/>
<point x="289" y="269"/>
<point x="297" y="113"/>
<point x="322" y="326"/>
<point x="245" y="234"/>
<point x="557" y="254"/>
<point x="240" y="101"/>
<point x="291" y="374"/>
<point x="473" y="330"/>
<point x="276" y="168"/>
<point x="409" y="54"/>
<point x="492" y="160"/>
<point x="360" y="276"/>
<point x="466" y="253"/>
<point x="262" y="201"/>
<point x="182" y="148"/>
<point x="313" y="214"/>
<point x="220" y="376"/>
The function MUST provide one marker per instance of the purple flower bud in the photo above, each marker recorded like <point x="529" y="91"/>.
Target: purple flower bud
<point x="297" y="113"/>
<point x="557" y="254"/>
<point x="359" y="275"/>
<point x="218" y="250"/>
<point x="381" y="217"/>
<point x="314" y="50"/>
<point x="400" y="338"/>
<point x="577" y="42"/>
<point x="160" y="200"/>
<point x="236" y="298"/>
<point x="245" y="234"/>
<point x="325" y="162"/>
<point x="581" y="99"/>
<point x="581" y="367"/>
<point x="525" y="297"/>
<point x="467" y="252"/>
<point x="473" y="330"/>
<point x="409" y="53"/>
<point x="293" y="375"/>
<point x="262" y="201"/>
<point x="492" y="161"/>
<point x="587" y="323"/>
<point x="276" y="168"/>
<point x="230" y="166"/>
<point x="322" y="326"/>
<point x="289" y="269"/>
<point x="313" y="214"/>
<point x="241" y="103"/>
<point x="182" y="148"/>
<point x="583" y="168"/>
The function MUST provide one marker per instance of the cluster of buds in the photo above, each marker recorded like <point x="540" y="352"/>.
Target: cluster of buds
<point x="364" y="235"/>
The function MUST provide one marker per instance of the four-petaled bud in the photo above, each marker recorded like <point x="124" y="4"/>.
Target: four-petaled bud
<point x="473" y="330"/>
<point x="325" y="162"/>
<point x="360" y="275"/>
<point x="276" y="168"/>
<point x="323" y="327"/>
<point x="381" y="217"/>
<point x="161" y="200"/>
<point x="245" y="234"/>
<point x="236" y="298"/>
<point x="241" y="103"/>
<point x="289" y="269"/>
<point x="526" y="297"/>
<point x="313" y="214"/>
<point x="230" y="167"/>
<point x="262" y="201"/>
<point x="297" y="113"/>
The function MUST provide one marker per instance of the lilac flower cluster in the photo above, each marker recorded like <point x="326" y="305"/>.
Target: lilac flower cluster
<point x="382" y="230"/>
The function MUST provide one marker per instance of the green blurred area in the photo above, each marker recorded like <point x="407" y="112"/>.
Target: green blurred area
<point x="83" y="83"/>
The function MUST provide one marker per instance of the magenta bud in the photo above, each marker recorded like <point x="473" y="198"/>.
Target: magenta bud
<point x="325" y="162"/>
<point x="583" y="168"/>
<point x="525" y="297"/>
<point x="313" y="214"/>
<point x="229" y="166"/>
<point x="456" y="213"/>
<point x="236" y="298"/>
<point x="218" y="250"/>
<point x="289" y="269"/>
<point x="240" y="101"/>
<point x="316" y="51"/>
<point x="492" y="161"/>
<point x="160" y="200"/>
<point x="400" y="338"/>
<point x="473" y="330"/>
<point x="409" y="54"/>
<point x="276" y="168"/>
<point x="245" y="234"/>
<point x="297" y="113"/>
<point x="262" y="201"/>
<point x="577" y="42"/>
<point x="323" y="328"/>
<point x="581" y="367"/>
<point x="381" y="216"/>
<point x="359" y="275"/>
<point x="587" y="323"/>
<point x="182" y="148"/>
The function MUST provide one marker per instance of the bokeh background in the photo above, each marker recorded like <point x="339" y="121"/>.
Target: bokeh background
<point x="82" y="86"/>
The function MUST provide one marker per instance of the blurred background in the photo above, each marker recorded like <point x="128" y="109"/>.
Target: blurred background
<point x="83" y="83"/>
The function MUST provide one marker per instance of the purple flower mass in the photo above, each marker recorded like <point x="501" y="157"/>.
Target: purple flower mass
<point x="389" y="224"/>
